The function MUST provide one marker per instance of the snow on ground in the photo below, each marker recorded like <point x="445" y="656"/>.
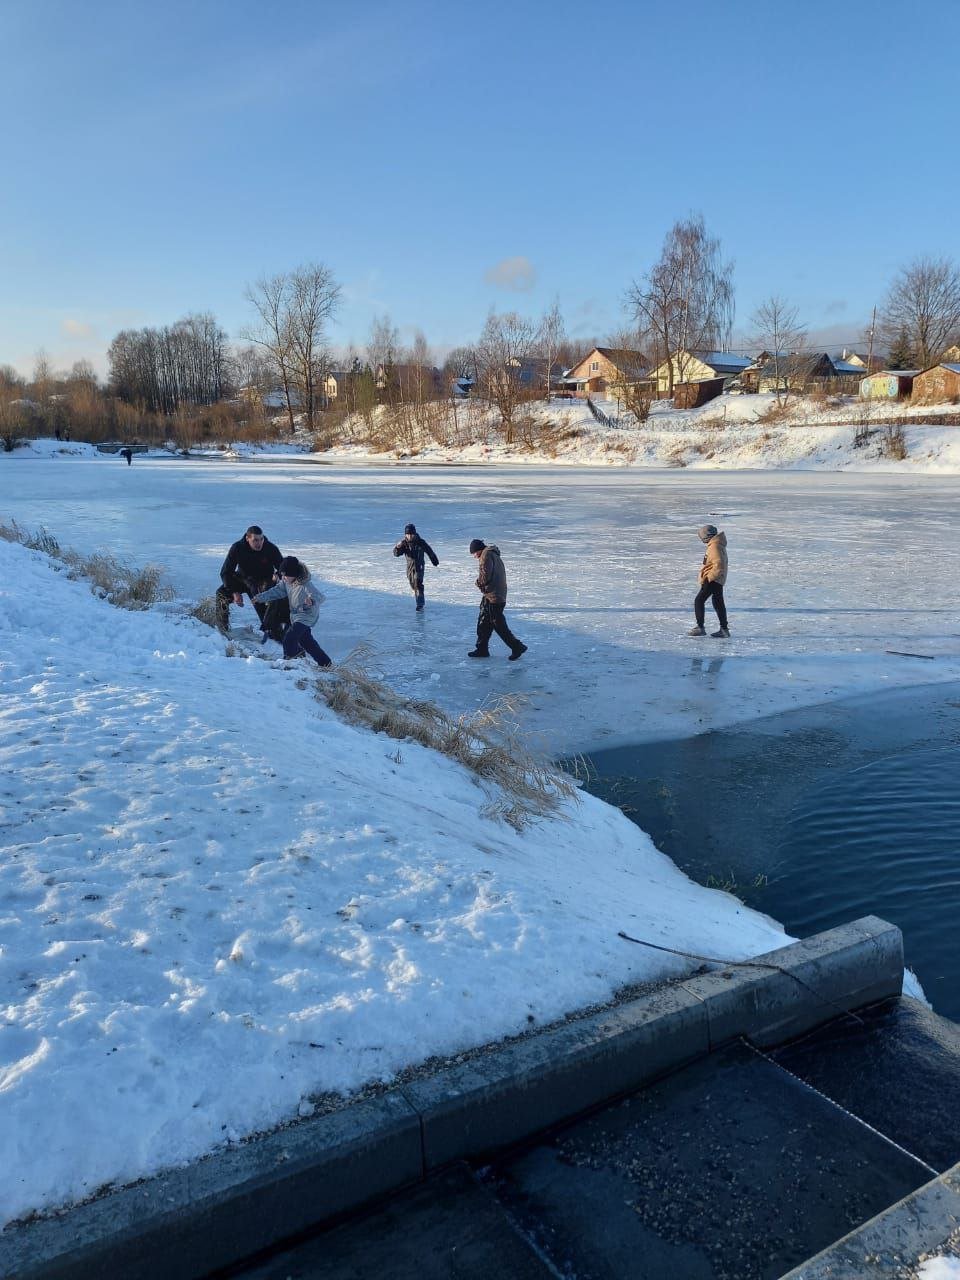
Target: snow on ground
<point x="218" y="901"/>
<point x="731" y="432"/>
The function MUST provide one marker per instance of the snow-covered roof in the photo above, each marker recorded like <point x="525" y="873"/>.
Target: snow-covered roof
<point x="723" y="361"/>
<point x="844" y="366"/>
<point x="954" y="368"/>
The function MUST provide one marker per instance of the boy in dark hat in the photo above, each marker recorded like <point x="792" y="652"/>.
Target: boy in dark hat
<point x="414" y="548"/>
<point x="492" y="584"/>
<point x="713" y="574"/>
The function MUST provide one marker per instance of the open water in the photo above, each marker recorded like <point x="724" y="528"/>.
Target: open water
<point x="819" y="816"/>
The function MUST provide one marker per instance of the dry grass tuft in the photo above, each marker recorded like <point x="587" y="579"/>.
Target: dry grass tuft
<point x="893" y="443"/>
<point x="122" y="584"/>
<point x="205" y="611"/>
<point x="488" y="742"/>
<point x="775" y="412"/>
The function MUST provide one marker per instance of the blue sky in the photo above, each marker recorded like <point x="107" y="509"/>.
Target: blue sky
<point x="445" y="158"/>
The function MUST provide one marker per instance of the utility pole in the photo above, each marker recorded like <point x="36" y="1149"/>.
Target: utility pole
<point x="873" y="325"/>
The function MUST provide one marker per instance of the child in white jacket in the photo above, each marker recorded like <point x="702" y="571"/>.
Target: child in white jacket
<point x="305" y="601"/>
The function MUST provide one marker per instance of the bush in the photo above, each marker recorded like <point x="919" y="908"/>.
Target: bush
<point x="894" y="443"/>
<point x="120" y="583"/>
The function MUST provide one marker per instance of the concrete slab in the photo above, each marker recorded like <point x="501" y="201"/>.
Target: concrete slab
<point x="449" y="1228"/>
<point x="236" y="1203"/>
<point x="192" y="1220"/>
<point x="814" y="980"/>
<point x="727" y="1170"/>
<point x="892" y="1245"/>
<point x="505" y="1096"/>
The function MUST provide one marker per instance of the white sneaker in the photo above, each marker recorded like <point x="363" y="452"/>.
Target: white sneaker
<point x="697" y="631"/>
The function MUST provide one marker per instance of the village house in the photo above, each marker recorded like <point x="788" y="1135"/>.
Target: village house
<point x="604" y="370"/>
<point x="802" y="370"/>
<point x="939" y="384"/>
<point x="865" y="363"/>
<point x="697" y="366"/>
<point x="271" y="399"/>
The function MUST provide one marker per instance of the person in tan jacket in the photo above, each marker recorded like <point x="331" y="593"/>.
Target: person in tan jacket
<point x="713" y="574"/>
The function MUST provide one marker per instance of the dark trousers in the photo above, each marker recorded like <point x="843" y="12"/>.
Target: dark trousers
<point x="274" y="617"/>
<point x="298" y="638"/>
<point x="491" y="619"/>
<point x="708" y="590"/>
<point x="416" y="585"/>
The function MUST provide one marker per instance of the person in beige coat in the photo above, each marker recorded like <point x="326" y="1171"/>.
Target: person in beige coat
<point x="713" y="574"/>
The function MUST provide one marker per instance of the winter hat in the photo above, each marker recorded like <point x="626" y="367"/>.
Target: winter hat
<point x="291" y="566"/>
<point x="409" y="528"/>
<point x="706" y="532"/>
<point x="477" y="544"/>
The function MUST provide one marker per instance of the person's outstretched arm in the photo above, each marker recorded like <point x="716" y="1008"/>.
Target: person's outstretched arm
<point x="429" y="550"/>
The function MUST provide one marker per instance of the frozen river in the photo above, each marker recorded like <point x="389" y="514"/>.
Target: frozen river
<point x="828" y="572"/>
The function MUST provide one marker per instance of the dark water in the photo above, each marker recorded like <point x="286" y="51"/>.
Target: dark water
<point x="819" y="816"/>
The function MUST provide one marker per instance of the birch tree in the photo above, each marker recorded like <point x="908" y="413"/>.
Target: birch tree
<point x="686" y="299"/>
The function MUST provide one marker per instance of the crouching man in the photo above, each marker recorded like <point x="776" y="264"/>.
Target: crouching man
<point x="250" y="566"/>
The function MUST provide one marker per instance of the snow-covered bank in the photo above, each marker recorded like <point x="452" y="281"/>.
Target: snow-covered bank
<point x="218" y="901"/>
<point x="732" y="432"/>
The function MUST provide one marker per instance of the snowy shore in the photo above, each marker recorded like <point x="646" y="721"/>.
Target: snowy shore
<point x="218" y="902"/>
<point x="732" y="432"/>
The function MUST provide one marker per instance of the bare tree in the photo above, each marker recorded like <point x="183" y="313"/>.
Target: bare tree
<point x="314" y="296"/>
<point x="293" y="310"/>
<point x="778" y="331"/>
<point x="506" y="342"/>
<point x="42" y="381"/>
<point x="550" y="341"/>
<point x="383" y="356"/>
<point x="268" y="297"/>
<point x="923" y="304"/>
<point x="630" y="387"/>
<point x="686" y="299"/>
<point x="421" y="374"/>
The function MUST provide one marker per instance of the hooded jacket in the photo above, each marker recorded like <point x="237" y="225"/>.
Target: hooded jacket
<point x="305" y="599"/>
<point x="714" y="567"/>
<point x="492" y="578"/>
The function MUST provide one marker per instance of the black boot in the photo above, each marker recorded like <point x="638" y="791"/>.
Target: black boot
<point x="517" y="651"/>
<point x="479" y="653"/>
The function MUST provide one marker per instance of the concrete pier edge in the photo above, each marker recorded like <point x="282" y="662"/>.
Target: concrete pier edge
<point x="225" y="1207"/>
<point x="894" y="1242"/>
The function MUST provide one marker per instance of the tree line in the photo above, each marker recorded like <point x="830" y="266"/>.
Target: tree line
<point x="683" y="302"/>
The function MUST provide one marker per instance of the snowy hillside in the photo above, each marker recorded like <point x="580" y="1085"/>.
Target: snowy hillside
<point x="218" y="901"/>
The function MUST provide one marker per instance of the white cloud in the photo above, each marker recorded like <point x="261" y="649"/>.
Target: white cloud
<point x="79" y="330"/>
<point x="512" y="273"/>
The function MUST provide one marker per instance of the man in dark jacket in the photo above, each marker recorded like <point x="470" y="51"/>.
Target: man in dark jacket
<point x="414" y="548"/>
<point x="249" y="567"/>
<point x="492" y="584"/>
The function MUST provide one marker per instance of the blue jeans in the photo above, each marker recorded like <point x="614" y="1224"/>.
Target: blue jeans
<point x="298" y="638"/>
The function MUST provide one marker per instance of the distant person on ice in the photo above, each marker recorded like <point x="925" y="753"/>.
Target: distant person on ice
<point x="492" y="584"/>
<point x="414" y="548"/>
<point x="251" y="565"/>
<point x="128" y="454"/>
<point x="304" y="603"/>
<point x="713" y="574"/>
